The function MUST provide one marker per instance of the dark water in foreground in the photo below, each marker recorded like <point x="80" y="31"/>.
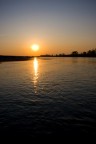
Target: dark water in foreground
<point x="48" y="96"/>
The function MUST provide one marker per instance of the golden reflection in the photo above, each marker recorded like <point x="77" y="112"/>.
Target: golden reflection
<point x="35" y="65"/>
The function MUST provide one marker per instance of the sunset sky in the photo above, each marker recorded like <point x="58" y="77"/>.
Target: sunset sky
<point x="57" y="26"/>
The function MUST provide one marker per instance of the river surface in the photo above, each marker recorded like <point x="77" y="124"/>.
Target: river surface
<point x="48" y="97"/>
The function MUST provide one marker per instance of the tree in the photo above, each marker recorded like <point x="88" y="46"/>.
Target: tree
<point x="74" y="53"/>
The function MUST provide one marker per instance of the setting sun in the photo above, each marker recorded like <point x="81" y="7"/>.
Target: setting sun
<point x="35" y="47"/>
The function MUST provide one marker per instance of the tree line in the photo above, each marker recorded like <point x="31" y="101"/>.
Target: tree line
<point x="89" y="53"/>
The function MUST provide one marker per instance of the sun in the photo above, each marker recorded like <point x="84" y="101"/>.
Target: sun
<point x="35" y="47"/>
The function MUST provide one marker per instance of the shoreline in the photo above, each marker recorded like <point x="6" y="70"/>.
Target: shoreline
<point x="14" y="58"/>
<point x="25" y="58"/>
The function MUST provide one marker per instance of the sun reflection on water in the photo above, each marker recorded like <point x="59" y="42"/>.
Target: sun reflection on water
<point x="35" y="78"/>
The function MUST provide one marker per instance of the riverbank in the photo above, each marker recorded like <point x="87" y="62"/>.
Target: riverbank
<point x="14" y="58"/>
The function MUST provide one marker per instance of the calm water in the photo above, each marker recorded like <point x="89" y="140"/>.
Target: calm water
<point x="48" y="96"/>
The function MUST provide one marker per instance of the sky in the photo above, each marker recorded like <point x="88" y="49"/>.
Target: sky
<point x="57" y="26"/>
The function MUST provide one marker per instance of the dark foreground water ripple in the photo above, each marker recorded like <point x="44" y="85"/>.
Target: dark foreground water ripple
<point x="48" y="97"/>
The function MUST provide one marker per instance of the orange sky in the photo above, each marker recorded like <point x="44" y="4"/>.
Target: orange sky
<point x="57" y="26"/>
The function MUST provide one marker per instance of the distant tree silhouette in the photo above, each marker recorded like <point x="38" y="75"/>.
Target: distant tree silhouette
<point x="74" y="53"/>
<point x="84" y="53"/>
<point x="91" y="52"/>
<point x="61" y="55"/>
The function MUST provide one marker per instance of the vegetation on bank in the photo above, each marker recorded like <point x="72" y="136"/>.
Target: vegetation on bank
<point x="90" y="53"/>
<point x="14" y="58"/>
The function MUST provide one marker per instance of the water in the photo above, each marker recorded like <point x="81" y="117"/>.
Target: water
<point x="48" y="97"/>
